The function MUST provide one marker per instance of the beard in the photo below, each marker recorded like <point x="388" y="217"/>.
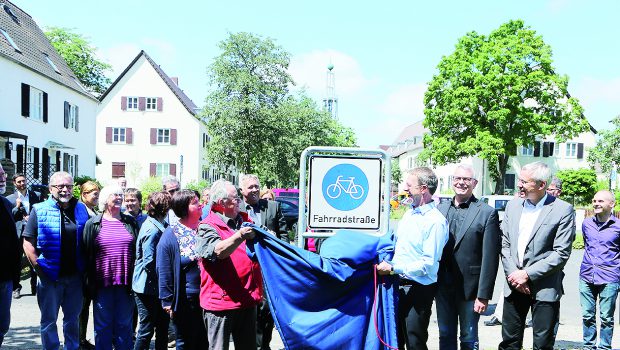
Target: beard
<point x="63" y="199"/>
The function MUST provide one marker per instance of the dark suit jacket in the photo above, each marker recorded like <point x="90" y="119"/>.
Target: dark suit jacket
<point x="472" y="257"/>
<point x="10" y="250"/>
<point x="271" y="217"/>
<point x="547" y="250"/>
<point x="20" y="213"/>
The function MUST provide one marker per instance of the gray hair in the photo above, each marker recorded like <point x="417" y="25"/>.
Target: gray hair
<point x="247" y="177"/>
<point x="219" y="191"/>
<point x="556" y="182"/>
<point x="105" y="194"/>
<point x="60" y="175"/>
<point x="170" y="179"/>
<point x="539" y="171"/>
<point x="467" y="167"/>
<point x="425" y="177"/>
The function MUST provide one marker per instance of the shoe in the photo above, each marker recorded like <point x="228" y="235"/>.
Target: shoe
<point x="493" y="321"/>
<point x="86" y="345"/>
<point x="17" y="293"/>
<point x="528" y="323"/>
<point x="172" y="344"/>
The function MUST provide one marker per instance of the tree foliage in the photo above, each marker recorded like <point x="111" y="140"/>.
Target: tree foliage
<point x="606" y="154"/>
<point x="397" y="175"/>
<point x="80" y="55"/>
<point x="494" y="93"/>
<point x="579" y="185"/>
<point x="255" y="124"/>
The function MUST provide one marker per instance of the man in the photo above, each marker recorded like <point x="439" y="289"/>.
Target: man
<point x="10" y="255"/>
<point x="469" y="262"/>
<point x="537" y="234"/>
<point x="420" y="239"/>
<point x="22" y="201"/>
<point x="600" y="270"/>
<point x="206" y="202"/>
<point x="122" y="182"/>
<point x="171" y="184"/>
<point x="555" y="187"/>
<point x="132" y="202"/>
<point x="268" y="214"/>
<point x="227" y="270"/>
<point x="52" y="243"/>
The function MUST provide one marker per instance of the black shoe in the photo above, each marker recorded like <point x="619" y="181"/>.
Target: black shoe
<point x="86" y="345"/>
<point x="493" y="321"/>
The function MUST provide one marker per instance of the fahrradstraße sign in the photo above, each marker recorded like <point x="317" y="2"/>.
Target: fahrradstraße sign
<point x="344" y="193"/>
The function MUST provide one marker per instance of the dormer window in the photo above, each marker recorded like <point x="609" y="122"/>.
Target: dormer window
<point x="10" y="40"/>
<point x="49" y="60"/>
<point x="10" y="12"/>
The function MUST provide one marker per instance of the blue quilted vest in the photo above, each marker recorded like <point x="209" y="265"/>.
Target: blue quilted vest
<point x="48" y="239"/>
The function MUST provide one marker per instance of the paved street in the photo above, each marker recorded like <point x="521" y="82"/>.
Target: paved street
<point x="24" y="332"/>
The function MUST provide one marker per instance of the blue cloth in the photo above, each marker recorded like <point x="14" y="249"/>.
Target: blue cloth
<point x="144" y="274"/>
<point x="113" y="314"/>
<point x="168" y="265"/>
<point x="607" y="295"/>
<point x="6" y="289"/>
<point x="420" y="239"/>
<point x="326" y="301"/>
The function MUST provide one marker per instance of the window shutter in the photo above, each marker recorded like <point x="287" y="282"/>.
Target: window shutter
<point x="65" y="162"/>
<point x="77" y="120"/>
<point x="536" y="149"/>
<point x="173" y="169"/>
<point x="45" y="107"/>
<point x="173" y="136"/>
<point x="58" y="153"/>
<point x="153" y="136"/>
<point x="75" y="165"/>
<point x="124" y="103"/>
<point x="141" y="103"/>
<point x="36" y="163"/>
<point x="25" y="100"/>
<point x="129" y="136"/>
<point x="545" y="149"/>
<point x="152" y="169"/>
<point x="67" y="111"/>
<point x="7" y="151"/>
<point x="108" y="135"/>
<point x="552" y="149"/>
<point x="580" y="150"/>
<point x="20" y="158"/>
<point x="160" y="104"/>
<point x="118" y="169"/>
<point x="45" y="174"/>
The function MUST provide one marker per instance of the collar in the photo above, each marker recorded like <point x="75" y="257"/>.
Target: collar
<point x="160" y="226"/>
<point x="470" y="200"/>
<point x="540" y="204"/>
<point x="612" y="220"/>
<point x="424" y="208"/>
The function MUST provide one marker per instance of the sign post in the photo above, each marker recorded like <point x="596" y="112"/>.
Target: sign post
<point x="345" y="188"/>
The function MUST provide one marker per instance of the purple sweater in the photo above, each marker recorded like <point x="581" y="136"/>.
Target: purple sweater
<point x="114" y="247"/>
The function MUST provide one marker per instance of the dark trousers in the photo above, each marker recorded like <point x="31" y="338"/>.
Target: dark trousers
<point x="84" y="317"/>
<point x="238" y="323"/>
<point x="153" y="320"/>
<point x="414" y="313"/>
<point x="544" y="318"/>
<point x="264" y="325"/>
<point x="33" y="275"/>
<point x="188" y="325"/>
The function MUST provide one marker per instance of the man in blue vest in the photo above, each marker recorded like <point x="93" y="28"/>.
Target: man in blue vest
<point x="52" y="243"/>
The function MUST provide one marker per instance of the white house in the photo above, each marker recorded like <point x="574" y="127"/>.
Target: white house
<point x="47" y="119"/>
<point x="147" y="126"/>
<point x="571" y="154"/>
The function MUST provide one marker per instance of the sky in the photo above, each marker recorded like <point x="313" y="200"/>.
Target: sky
<point x="384" y="55"/>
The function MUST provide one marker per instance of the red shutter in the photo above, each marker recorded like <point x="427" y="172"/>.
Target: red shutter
<point x="129" y="136"/>
<point x="108" y="135"/>
<point x="141" y="103"/>
<point x="124" y="103"/>
<point x="153" y="136"/>
<point x="173" y="136"/>
<point x="118" y="169"/>
<point x="160" y="104"/>
<point x="152" y="169"/>
<point x="173" y="169"/>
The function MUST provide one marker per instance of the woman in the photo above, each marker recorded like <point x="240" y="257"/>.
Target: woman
<point x="179" y="276"/>
<point x="267" y="194"/>
<point x="109" y="244"/>
<point x="145" y="286"/>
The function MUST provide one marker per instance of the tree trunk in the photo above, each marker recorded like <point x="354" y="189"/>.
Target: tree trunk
<point x="502" y="164"/>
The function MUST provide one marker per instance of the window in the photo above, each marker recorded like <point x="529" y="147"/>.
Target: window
<point x="163" y="169"/>
<point x="72" y="116"/>
<point x="509" y="181"/>
<point x="527" y="150"/>
<point x="151" y="103"/>
<point x="132" y="103"/>
<point x="119" y="135"/>
<point x="163" y="136"/>
<point x="571" y="150"/>
<point x="205" y="174"/>
<point x="30" y="154"/>
<point x="556" y="149"/>
<point x="410" y="163"/>
<point x="205" y="140"/>
<point x="10" y="40"/>
<point x="71" y="165"/>
<point x="118" y="169"/>
<point x="49" y="60"/>
<point x="36" y="104"/>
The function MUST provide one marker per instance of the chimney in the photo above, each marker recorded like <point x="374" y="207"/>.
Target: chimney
<point x="175" y="80"/>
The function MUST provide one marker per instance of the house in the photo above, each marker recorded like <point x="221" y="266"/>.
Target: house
<point x="147" y="126"/>
<point x="571" y="154"/>
<point x="47" y="119"/>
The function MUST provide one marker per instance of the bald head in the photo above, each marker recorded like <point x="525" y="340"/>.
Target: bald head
<point x="603" y="203"/>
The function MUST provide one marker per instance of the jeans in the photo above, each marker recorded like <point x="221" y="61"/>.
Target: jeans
<point x="452" y="310"/>
<point x="51" y="296"/>
<point x="113" y="316"/>
<point x="606" y="294"/>
<point x="153" y="319"/>
<point x="6" y="289"/>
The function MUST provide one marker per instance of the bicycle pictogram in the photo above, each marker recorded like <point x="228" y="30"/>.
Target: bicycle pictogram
<point x="341" y="186"/>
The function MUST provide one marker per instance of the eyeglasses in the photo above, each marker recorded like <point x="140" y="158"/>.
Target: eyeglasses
<point x="60" y="187"/>
<point x="235" y="199"/>
<point x="466" y="180"/>
<point x="172" y="190"/>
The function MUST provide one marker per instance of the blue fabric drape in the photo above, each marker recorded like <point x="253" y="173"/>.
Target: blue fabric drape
<point x="326" y="301"/>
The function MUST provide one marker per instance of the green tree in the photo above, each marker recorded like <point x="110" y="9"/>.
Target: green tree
<point x="150" y="185"/>
<point x="397" y="175"/>
<point x="578" y="184"/>
<point x="80" y="55"/>
<point x="606" y="154"/>
<point x="494" y="93"/>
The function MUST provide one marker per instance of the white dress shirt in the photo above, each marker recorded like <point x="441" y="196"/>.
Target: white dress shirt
<point x="526" y="224"/>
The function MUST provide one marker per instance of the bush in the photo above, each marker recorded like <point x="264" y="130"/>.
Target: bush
<point x="152" y="184"/>
<point x="197" y="185"/>
<point x="578" y="242"/>
<point x="397" y="214"/>
<point x="579" y="185"/>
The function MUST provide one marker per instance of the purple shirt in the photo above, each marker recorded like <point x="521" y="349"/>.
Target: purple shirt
<point x="601" y="259"/>
<point x="114" y="247"/>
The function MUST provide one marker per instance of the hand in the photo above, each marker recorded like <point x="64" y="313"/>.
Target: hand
<point x="18" y="202"/>
<point x="518" y="278"/>
<point x="246" y="233"/>
<point x="384" y="268"/>
<point x="169" y="311"/>
<point x="480" y="305"/>
<point x="525" y="289"/>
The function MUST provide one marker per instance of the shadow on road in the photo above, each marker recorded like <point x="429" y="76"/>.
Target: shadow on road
<point x="22" y="338"/>
<point x="567" y="344"/>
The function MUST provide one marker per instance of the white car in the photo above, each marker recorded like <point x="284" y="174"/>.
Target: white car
<point x="498" y="202"/>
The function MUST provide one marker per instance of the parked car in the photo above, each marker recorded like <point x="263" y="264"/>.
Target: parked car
<point x="498" y="202"/>
<point x="440" y="198"/>
<point x="290" y="211"/>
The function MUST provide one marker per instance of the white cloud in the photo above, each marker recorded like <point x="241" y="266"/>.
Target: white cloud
<point x="407" y="102"/>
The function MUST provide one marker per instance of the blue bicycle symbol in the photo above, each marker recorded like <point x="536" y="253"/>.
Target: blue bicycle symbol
<point x="349" y="187"/>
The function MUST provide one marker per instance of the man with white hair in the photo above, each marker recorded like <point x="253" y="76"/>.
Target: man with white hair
<point x="52" y="243"/>
<point x="537" y="235"/>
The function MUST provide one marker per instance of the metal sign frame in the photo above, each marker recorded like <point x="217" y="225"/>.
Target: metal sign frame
<point x="343" y="153"/>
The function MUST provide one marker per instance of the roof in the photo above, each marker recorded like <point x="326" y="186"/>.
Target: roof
<point x="411" y="131"/>
<point x="183" y="98"/>
<point x="33" y="46"/>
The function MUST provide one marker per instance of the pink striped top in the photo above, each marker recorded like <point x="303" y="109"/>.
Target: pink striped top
<point x="114" y="248"/>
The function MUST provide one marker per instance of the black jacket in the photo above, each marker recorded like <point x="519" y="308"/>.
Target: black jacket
<point x="10" y="251"/>
<point x="20" y="213"/>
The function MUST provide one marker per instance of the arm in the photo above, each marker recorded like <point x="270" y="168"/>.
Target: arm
<point x="149" y="250"/>
<point x="30" y="240"/>
<point x="210" y="246"/>
<point x="507" y="260"/>
<point x="165" y="272"/>
<point x="432" y="248"/>
<point x="491" y="244"/>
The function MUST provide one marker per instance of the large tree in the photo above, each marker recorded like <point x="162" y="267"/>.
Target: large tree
<point x="494" y="93"/>
<point x="80" y="55"/>
<point x="606" y="154"/>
